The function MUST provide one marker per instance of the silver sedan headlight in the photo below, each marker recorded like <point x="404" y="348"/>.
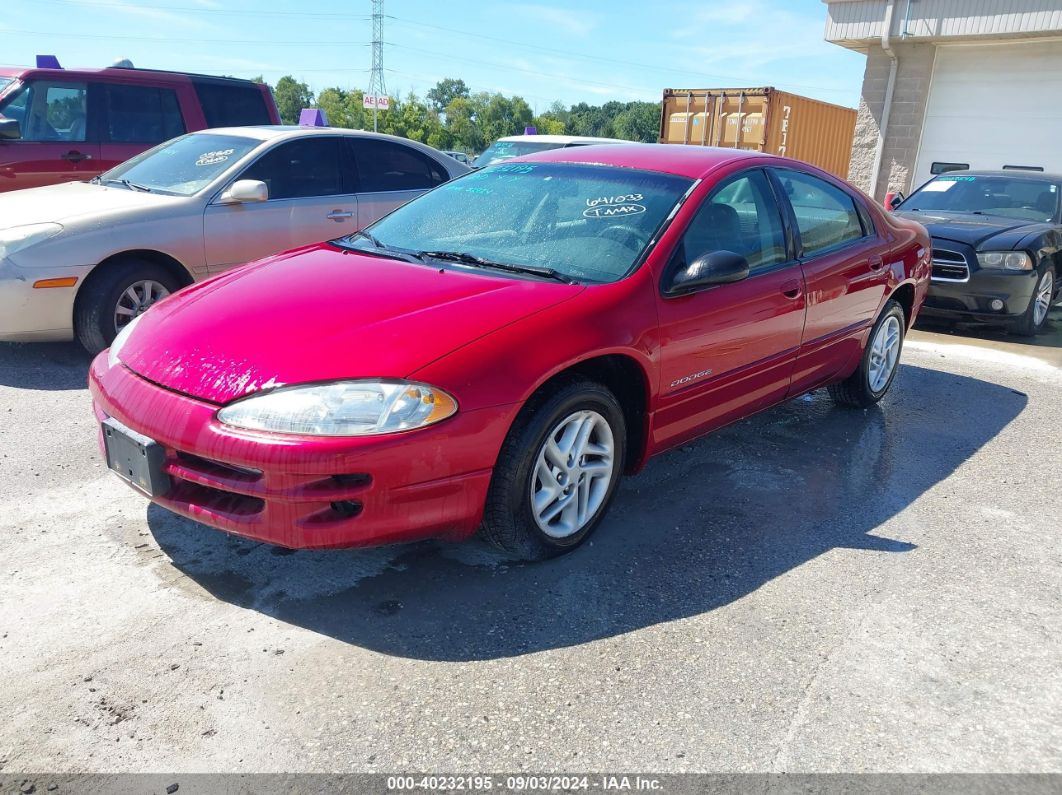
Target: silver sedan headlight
<point x="15" y="238"/>
<point x="344" y="408"/>
<point x="1005" y="260"/>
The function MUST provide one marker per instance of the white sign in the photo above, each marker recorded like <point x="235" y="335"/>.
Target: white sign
<point x="379" y="102"/>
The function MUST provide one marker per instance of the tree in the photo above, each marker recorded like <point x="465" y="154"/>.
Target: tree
<point x="445" y="92"/>
<point x="639" y="122"/>
<point x="292" y="96"/>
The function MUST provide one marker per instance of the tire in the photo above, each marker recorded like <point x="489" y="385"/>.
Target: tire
<point x="98" y="301"/>
<point x="863" y="388"/>
<point x="1034" y="319"/>
<point x="510" y="521"/>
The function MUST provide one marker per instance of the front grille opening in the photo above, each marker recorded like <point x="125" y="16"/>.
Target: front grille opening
<point x="346" y="509"/>
<point x="219" y="470"/>
<point x="352" y="481"/>
<point x="216" y="500"/>
<point x="950" y="266"/>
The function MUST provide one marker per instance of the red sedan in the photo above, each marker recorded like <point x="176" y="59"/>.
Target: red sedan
<point x="496" y="353"/>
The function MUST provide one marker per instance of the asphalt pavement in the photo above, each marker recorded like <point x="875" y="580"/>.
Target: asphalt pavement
<point x="812" y="590"/>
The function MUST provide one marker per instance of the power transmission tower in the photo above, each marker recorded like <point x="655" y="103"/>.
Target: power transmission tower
<point x="377" y="88"/>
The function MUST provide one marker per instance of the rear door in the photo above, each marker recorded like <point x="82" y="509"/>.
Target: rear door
<point x="846" y="277"/>
<point x="55" y="145"/>
<point x="133" y="118"/>
<point x="389" y="175"/>
<point x="729" y="349"/>
<point x="311" y="199"/>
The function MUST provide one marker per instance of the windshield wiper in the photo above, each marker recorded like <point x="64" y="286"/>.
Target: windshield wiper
<point x="382" y="250"/>
<point x="127" y="183"/>
<point x="479" y="262"/>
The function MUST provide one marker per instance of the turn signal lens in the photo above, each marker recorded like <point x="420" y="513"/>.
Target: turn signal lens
<point x="68" y="281"/>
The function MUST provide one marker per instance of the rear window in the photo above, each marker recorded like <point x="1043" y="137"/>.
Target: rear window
<point x="232" y="105"/>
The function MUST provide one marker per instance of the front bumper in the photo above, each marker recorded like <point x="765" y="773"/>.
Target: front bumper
<point x="307" y="492"/>
<point x="972" y="299"/>
<point x="35" y="315"/>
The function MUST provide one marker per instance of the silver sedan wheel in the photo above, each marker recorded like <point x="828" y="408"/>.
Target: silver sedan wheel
<point x="136" y="300"/>
<point x="572" y="474"/>
<point x="1042" y="300"/>
<point x="884" y="353"/>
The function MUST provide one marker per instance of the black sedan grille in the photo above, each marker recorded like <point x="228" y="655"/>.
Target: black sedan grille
<point x="950" y="266"/>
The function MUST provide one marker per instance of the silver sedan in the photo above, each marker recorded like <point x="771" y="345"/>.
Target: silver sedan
<point x="83" y="259"/>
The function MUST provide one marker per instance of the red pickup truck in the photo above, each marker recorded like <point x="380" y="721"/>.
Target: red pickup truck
<point x="63" y="125"/>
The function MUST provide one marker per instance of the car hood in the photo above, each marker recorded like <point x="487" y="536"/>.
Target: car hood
<point x="973" y="230"/>
<point x="321" y="314"/>
<point x="70" y="200"/>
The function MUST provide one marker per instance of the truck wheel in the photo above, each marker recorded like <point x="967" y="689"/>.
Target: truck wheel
<point x="114" y="294"/>
<point x="1034" y="319"/>
<point x="881" y="359"/>
<point x="557" y="472"/>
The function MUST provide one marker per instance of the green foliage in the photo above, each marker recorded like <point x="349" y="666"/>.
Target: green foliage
<point x="292" y="96"/>
<point x="450" y="116"/>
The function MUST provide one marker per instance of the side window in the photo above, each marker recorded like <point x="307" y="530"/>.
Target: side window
<point x="141" y="114"/>
<point x="387" y="166"/>
<point x="49" y="111"/>
<point x="740" y="216"/>
<point x="231" y="105"/>
<point x="826" y="216"/>
<point x="299" y="169"/>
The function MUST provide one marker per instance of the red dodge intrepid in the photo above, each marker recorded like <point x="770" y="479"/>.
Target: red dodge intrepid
<point x="496" y="353"/>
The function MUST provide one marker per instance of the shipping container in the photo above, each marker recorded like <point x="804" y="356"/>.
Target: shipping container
<point x="760" y="119"/>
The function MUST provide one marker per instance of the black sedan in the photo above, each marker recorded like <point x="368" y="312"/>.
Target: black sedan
<point x="997" y="246"/>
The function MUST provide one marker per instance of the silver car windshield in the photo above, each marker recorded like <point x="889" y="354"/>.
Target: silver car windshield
<point x="500" y="151"/>
<point x="183" y="166"/>
<point x="589" y="223"/>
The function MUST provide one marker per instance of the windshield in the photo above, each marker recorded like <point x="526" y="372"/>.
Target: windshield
<point x="183" y="166"/>
<point x="1022" y="197"/>
<point x="500" y="151"/>
<point x="588" y="223"/>
<point x="5" y="82"/>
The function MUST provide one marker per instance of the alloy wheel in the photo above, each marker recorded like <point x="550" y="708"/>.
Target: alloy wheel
<point x="1042" y="300"/>
<point x="884" y="354"/>
<point x="136" y="300"/>
<point x="572" y="474"/>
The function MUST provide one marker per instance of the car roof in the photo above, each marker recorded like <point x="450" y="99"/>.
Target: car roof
<point x="679" y="159"/>
<point x="1016" y="173"/>
<point x="268" y="132"/>
<point x="564" y="139"/>
<point x="123" y="72"/>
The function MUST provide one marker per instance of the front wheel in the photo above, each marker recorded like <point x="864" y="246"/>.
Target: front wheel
<point x="1034" y="319"/>
<point x="881" y="359"/>
<point x="556" y="472"/>
<point x="114" y="294"/>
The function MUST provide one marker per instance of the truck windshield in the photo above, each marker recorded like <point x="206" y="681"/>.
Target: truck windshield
<point x="1022" y="197"/>
<point x="588" y="223"/>
<point x="183" y="166"/>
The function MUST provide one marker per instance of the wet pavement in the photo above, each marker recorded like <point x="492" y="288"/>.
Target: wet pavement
<point x="813" y="589"/>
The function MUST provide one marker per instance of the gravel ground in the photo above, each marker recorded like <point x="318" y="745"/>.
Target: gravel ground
<point x="811" y="590"/>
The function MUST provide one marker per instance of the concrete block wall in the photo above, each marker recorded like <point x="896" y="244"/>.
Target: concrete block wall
<point x="905" y="121"/>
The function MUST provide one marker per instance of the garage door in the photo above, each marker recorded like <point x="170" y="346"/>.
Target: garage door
<point x="992" y="106"/>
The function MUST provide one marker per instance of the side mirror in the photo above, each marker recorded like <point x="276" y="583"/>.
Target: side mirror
<point x="717" y="267"/>
<point x="893" y="200"/>
<point x="245" y="191"/>
<point x="10" y="130"/>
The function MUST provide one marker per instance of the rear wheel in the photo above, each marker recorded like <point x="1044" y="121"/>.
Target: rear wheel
<point x="557" y="472"/>
<point x="1034" y="320"/>
<point x="114" y="295"/>
<point x="881" y="359"/>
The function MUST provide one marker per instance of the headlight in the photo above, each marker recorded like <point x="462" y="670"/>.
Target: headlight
<point x="16" y="238"/>
<point x="119" y="341"/>
<point x="1005" y="260"/>
<point x="345" y="408"/>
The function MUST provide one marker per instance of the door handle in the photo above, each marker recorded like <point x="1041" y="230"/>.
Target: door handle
<point x="876" y="263"/>
<point x="791" y="289"/>
<point x="340" y="215"/>
<point x="75" y="156"/>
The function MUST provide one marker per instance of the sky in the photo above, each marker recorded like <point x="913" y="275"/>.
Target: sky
<point x="542" y="50"/>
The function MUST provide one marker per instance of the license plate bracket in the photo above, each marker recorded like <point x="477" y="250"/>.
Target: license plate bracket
<point x="135" y="458"/>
